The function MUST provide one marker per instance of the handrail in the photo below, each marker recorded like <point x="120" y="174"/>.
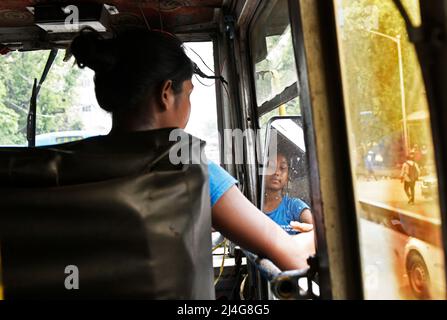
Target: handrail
<point x="284" y="284"/>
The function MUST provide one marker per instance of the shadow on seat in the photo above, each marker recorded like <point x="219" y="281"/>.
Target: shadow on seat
<point x="134" y="225"/>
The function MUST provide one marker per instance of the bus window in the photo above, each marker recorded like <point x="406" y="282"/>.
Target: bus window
<point x="290" y="108"/>
<point x="67" y="105"/>
<point x="286" y="174"/>
<point x="66" y="102"/>
<point x="274" y="66"/>
<point x="391" y="151"/>
<point x="203" y="119"/>
<point x="285" y="192"/>
<point x="272" y="52"/>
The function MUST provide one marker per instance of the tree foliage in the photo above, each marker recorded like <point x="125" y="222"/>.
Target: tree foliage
<point x="277" y="70"/>
<point x="57" y="96"/>
<point x="370" y="33"/>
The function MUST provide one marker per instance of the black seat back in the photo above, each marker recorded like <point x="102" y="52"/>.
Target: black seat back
<point x="115" y="207"/>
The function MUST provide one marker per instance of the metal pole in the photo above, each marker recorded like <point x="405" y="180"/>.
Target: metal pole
<point x="402" y="93"/>
<point x="397" y="40"/>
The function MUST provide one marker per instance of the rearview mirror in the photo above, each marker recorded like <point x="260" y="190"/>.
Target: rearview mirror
<point x="285" y="169"/>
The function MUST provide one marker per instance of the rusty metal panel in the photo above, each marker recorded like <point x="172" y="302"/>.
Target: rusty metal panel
<point x="173" y="13"/>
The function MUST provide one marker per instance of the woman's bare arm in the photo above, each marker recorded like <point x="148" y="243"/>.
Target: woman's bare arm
<point x="241" y="222"/>
<point x="306" y="217"/>
<point x="306" y="222"/>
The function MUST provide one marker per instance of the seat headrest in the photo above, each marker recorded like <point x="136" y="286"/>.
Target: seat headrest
<point x="86" y="161"/>
<point x="135" y="225"/>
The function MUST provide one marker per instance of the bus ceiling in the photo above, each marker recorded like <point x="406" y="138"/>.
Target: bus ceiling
<point x="41" y="24"/>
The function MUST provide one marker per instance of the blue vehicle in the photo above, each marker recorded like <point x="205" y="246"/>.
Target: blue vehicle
<point x="54" y="138"/>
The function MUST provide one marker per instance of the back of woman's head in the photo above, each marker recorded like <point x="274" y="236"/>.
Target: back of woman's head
<point x="132" y="67"/>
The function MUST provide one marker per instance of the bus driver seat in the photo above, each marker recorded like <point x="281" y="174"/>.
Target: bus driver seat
<point x="106" y="217"/>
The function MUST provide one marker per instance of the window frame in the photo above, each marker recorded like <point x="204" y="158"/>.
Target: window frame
<point x="316" y="51"/>
<point x="289" y="93"/>
<point x="433" y="58"/>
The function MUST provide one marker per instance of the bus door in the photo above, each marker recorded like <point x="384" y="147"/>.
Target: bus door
<point x="370" y="125"/>
<point x="379" y="144"/>
<point x="260" y="59"/>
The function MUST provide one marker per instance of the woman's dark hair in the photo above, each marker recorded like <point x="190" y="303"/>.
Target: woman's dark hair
<point x="132" y="66"/>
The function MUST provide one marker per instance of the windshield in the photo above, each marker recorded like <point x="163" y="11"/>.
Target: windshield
<point x="66" y="101"/>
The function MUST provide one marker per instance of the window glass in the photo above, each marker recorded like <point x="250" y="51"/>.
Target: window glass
<point x="272" y="52"/>
<point x="286" y="173"/>
<point x="291" y="108"/>
<point x="391" y="152"/>
<point x="66" y="107"/>
<point x="203" y="119"/>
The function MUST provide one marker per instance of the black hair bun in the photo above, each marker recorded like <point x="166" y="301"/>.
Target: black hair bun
<point x="92" y="51"/>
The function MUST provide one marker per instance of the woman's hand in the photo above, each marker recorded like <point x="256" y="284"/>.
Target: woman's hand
<point x="301" y="227"/>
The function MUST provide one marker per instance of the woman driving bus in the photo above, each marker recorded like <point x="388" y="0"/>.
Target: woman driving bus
<point x="143" y="78"/>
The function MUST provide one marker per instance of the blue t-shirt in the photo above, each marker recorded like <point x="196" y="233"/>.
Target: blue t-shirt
<point x="289" y="210"/>
<point x="220" y="182"/>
